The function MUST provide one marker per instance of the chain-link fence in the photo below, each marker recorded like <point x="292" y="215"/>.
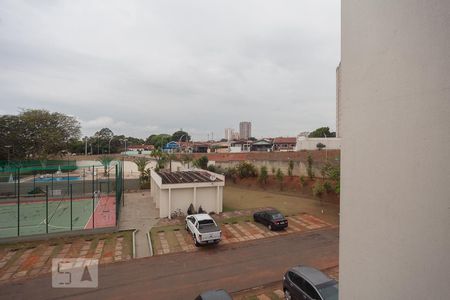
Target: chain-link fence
<point x="58" y="196"/>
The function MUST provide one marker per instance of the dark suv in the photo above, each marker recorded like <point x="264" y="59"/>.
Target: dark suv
<point x="302" y="282"/>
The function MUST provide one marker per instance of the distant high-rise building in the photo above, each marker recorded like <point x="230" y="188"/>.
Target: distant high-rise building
<point x="229" y="134"/>
<point x="245" y="130"/>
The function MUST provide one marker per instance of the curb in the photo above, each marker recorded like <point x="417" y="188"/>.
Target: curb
<point x="134" y="243"/>
<point x="150" y="244"/>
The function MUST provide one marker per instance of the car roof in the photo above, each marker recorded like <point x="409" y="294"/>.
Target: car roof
<point x="201" y="217"/>
<point x="215" y="295"/>
<point x="313" y="275"/>
<point x="270" y="211"/>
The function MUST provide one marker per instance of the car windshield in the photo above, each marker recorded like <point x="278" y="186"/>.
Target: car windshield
<point x="329" y="290"/>
<point x="276" y="216"/>
<point x="205" y="223"/>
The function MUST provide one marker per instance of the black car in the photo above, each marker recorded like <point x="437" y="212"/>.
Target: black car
<point x="273" y="219"/>
<point x="214" y="295"/>
<point x="303" y="282"/>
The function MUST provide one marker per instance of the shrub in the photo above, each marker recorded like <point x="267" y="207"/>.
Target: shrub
<point x="273" y="170"/>
<point x="327" y="187"/>
<point x="191" y="210"/>
<point x="212" y="168"/>
<point x="303" y="181"/>
<point x="290" y="167"/>
<point x="246" y="169"/>
<point x="309" y="167"/>
<point x="36" y="190"/>
<point x="201" y="163"/>
<point x="201" y="211"/>
<point x="263" y="175"/>
<point x="280" y="176"/>
<point x="318" y="189"/>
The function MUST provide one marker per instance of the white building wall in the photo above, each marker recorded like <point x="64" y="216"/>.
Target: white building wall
<point x="395" y="98"/>
<point x="206" y="197"/>
<point x="182" y="198"/>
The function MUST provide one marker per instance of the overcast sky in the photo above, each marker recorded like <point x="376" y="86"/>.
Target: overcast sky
<point x="144" y="67"/>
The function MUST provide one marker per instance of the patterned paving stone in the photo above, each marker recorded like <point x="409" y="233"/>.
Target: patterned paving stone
<point x="6" y="258"/>
<point x="279" y="293"/>
<point x="263" y="297"/>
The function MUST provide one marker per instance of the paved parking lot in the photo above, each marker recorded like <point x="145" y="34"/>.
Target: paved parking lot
<point x="177" y="239"/>
<point x="18" y="261"/>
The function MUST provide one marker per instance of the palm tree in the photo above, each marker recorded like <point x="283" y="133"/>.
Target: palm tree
<point x="105" y="160"/>
<point x="161" y="158"/>
<point x="141" y="163"/>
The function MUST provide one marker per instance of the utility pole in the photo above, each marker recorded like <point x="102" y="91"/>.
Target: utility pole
<point x="85" y="145"/>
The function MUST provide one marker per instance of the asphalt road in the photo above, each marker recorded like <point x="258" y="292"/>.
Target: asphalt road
<point x="180" y="276"/>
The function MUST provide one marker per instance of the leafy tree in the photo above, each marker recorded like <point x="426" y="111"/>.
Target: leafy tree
<point x="263" y="175"/>
<point x="105" y="160"/>
<point x="309" y="167"/>
<point x="290" y="167"/>
<point x="158" y="140"/>
<point x="37" y="134"/>
<point x="320" y="146"/>
<point x="180" y="134"/>
<point x="322" y="132"/>
<point x="202" y="162"/>
<point x="280" y="176"/>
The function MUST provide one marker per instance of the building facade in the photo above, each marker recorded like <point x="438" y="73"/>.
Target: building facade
<point x="395" y="119"/>
<point x="245" y="130"/>
<point x="172" y="191"/>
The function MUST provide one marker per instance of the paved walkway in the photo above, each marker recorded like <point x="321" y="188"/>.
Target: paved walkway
<point x="140" y="213"/>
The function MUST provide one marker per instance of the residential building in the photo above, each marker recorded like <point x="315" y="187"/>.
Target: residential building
<point x="245" y="130"/>
<point x="240" y="146"/>
<point x="263" y="145"/>
<point x="395" y="119"/>
<point x="172" y="191"/>
<point x="284" y="143"/>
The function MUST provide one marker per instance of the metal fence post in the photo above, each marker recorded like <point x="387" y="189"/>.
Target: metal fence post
<point x="18" y="201"/>
<point x="93" y="197"/>
<point x="46" y="208"/>
<point x="71" y="214"/>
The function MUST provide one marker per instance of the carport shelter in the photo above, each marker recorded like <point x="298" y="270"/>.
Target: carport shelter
<point x="177" y="190"/>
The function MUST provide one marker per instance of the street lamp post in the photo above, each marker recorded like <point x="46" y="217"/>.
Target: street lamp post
<point x="125" y="141"/>
<point x="109" y="145"/>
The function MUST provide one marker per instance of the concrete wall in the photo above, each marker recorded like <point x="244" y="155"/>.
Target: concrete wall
<point x="299" y="166"/>
<point x="305" y="143"/>
<point x="395" y="191"/>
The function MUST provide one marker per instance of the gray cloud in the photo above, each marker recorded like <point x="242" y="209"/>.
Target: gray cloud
<point x="143" y="67"/>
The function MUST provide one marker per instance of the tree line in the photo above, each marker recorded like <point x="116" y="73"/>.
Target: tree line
<point x="39" y="134"/>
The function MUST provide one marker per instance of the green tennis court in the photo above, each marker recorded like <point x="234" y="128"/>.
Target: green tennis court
<point x="33" y="216"/>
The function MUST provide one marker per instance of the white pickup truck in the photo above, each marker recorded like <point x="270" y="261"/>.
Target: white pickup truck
<point x="204" y="229"/>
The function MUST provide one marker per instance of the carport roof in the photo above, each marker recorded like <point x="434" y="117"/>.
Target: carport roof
<point x="186" y="177"/>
